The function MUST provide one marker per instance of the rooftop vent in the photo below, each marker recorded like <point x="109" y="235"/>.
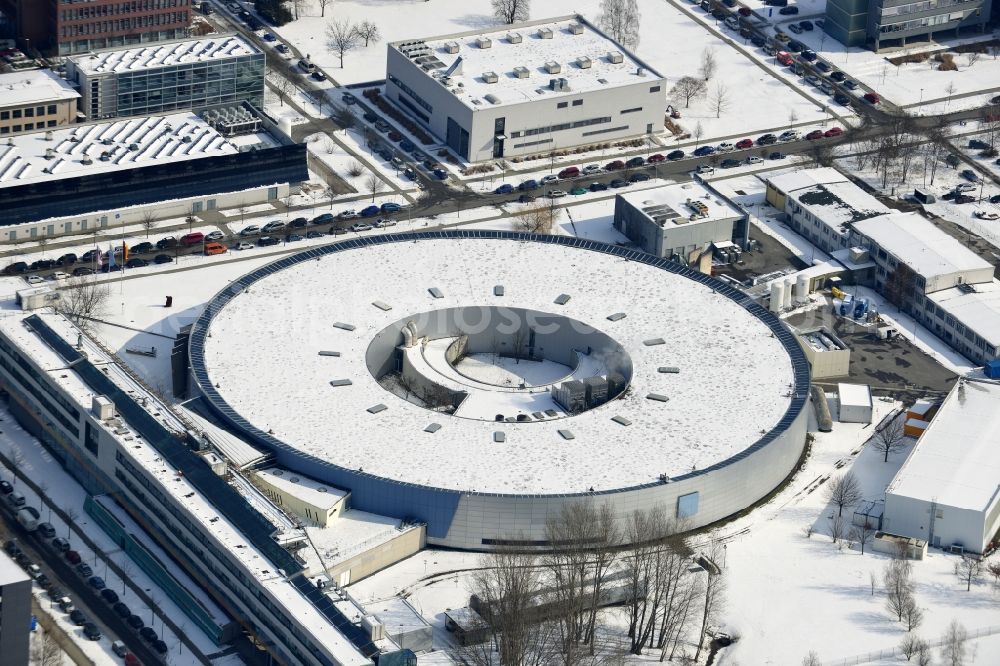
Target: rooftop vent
<point x="559" y="85"/>
<point x="545" y="33"/>
<point x="86" y="160"/>
<point x="490" y="77"/>
<point x="615" y="57"/>
<point x="575" y="29"/>
<point x="640" y="71"/>
<point x="48" y="135"/>
<point x="484" y="42"/>
<point x="552" y="67"/>
<point x="49" y="153"/>
<point x="451" y="47"/>
<point x="583" y="62"/>
<point x="492" y="99"/>
<point x="514" y="37"/>
<point x="521" y="72"/>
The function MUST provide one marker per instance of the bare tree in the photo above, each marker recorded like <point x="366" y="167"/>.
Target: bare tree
<point x="283" y="87"/>
<point x="344" y="118"/>
<point x="862" y="533"/>
<point x="697" y="133"/>
<point x="511" y="11"/>
<point x="148" y="221"/>
<point x="72" y="514"/>
<point x="951" y="89"/>
<point x="355" y="169"/>
<point x="52" y="653"/>
<point x="620" y="19"/>
<point x="368" y="31"/>
<point x="968" y="570"/>
<point x="898" y="586"/>
<point x="811" y="659"/>
<point x="535" y="220"/>
<point x="297" y="6"/>
<point x="994" y="570"/>
<point x="953" y="648"/>
<point x="924" y="655"/>
<point x="713" y="599"/>
<point x="16" y="462"/>
<point x="720" y="99"/>
<point x="889" y="436"/>
<point x="322" y="6"/>
<point x="913" y="615"/>
<point x="845" y="490"/>
<point x="341" y="37"/>
<point x="374" y="184"/>
<point x="837" y="527"/>
<point x="687" y="88"/>
<point x="330" y="194"/>
<point x="709" y="63"/>
<point x="972" y="57"/>
<point x="909" y="646"/>
<point x="83" y="300"/>
<point x="242" y="207"/>
<point x="792" y="118"/>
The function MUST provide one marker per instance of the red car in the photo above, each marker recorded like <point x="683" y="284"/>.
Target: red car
<point x="872" y="98"/>
<point x="192" y="238"/>
<point x="615" y="166"/>
<point x="653" y="159"/>
<point x="743" y="144"/>
<point x="570" y="172"/>
<point x="833" y="131"/>
<point x="815" y="134"/>
<point x="745" y="11"/>
<point x="73" y="557"/>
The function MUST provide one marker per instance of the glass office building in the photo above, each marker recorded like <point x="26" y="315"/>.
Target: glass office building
<point x="167" y="77"/>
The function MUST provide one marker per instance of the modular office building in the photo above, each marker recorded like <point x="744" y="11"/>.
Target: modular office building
<point x="168" y="76"/>
<point x="525" y="88"/>
<point x="864" y="22"/>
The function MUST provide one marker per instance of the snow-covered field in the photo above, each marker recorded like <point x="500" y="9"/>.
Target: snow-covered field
<point x="669" y="41"/>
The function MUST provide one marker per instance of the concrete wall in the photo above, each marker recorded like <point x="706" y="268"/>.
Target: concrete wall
<point x="384" y="555"/>
<point x="829" y="363"/>
<point x="911" y="517"/>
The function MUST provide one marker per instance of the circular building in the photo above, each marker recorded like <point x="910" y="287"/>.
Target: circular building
<point x="478" y="381"/>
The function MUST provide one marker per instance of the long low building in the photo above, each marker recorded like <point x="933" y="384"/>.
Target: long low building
<point x="948" y="490"/>
<point x="87" y="177"/>
<point x="525" y="88"/>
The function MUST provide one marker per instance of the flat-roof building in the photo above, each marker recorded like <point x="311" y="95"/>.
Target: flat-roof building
<point x="893" y="22"/>
<point x="678" y="222"/>
<point x="15" y="611"/>
<point x="525" y="88"/>
<point x="35" y="99"/>
<point x="822" y="204"/>
<point x="948" y="490"/>
<point x="74" y="179"/>
<point x="168" y="76"/>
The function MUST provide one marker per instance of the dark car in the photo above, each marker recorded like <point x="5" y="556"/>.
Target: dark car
<point x="162" y="259"/>
<point x="407" y="145"/>
<point x="136" y="262"/>
<point x="293" y="238"/>
<point x="314" y="234"/>
<point x="598" y="187"/>
<point x="850" y="85"/>
<point x="108" y="268"/>
<point x="949" y="196"/>
<point x="703" y="151"/>
<point x="531" y="184"/>
<point x="806" y="25"/>
<point x="766" y="139"/>
<point x="372" y="211"/>
<point x="815" y="134"/>
<point x="91" y="631"/>
<point x="318" y="75"/>
<point x="618" y="182"/>
<point x="166" y="243"/>
<point x="823" y="66"/>
<point x="135" y="622"/>
<point x="349" y="99"/>
<point x="808" y="55"/>
<point x="84" y="570"/>
<point x="440" y="174"/>
<point x="837" y="76"/>
<point x="391" y="207"/>
<point x="109" y="595"/>
<point x="776" y="155"/>
<point x="141" y="248"/>
<point x="635" y="162"/>
<point x="789" y="11"/>
<point x="757" y="40"/>
<point x="43" y="264"/>
<point x="55" y="593"/>
<point x="83" y="270"/>
<point x="639" y="177"/>
<point x="97" y="582"/>
<point x="16" y="268"/>
<point x="719" y="14"/>
<point x="67" y="259"/>
<point x="525" y="198"/>
<point x="77" y="617"/>
<point x="298" y="222"/>
<point x="729" y="164"/>
<point x="148" y="634"/>
<point x="268" y="241"/>
<point x="978" y="144"/>
<point x="121" y="610"/>
<point x="6" y="488"/>
<point x="89" y="255"/>
<point x="675" y="155"/>
<point x="159" y="646"/>
<point x="796" y="46"/>
<point x="395" y="136"/>
<point x="654" y="159"/>
<point x="43" y="581"/>
<point x="614" y="166"/>
<point x="506" y="188"/>
<point x="964" y="199"/>
<point x="969" y="175"/>
<point x="325" y="218"/>
<point x="841" y="98"/>
<point x="11" y="547"/>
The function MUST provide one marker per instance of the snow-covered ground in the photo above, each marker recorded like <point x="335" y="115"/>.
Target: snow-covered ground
<point x="669" y="41"/>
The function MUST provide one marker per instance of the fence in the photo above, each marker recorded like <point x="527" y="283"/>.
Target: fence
<point x="895" y="652"/>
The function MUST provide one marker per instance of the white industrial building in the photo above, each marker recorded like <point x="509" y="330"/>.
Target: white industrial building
<point x="855" y="402"/>
<point x="525" y="88"/>
<point x="679" y="222"/>
<point x="828" y="355"/>
<point x="948" y="490"/>
<point x="821" y="204"/>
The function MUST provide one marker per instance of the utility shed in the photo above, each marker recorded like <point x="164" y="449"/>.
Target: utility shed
<point x="948" y="490"/>
<point x="855" y="403"/>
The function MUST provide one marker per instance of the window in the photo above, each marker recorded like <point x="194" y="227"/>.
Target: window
<point x="4" y="115"/>
<point x="562" y="105"/>
<point x="50" y="123"/>
<point x="634" y="110"/>
<point x="17" y="113"/>
<point x="654" y="89"/>
<point x="577" y="102"/>
<point x="17" y="128"/>
<point x="40" y="111"/>
<point x="29" y="113"/>
<point x="90" y="438"/>
<point x="4" y="130"/>
<point x="52" y="109"/>
<point x="29" y="126"/>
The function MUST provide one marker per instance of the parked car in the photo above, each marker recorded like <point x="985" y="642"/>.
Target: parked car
<point x="109" y="595"/>
<point x="969" y="175"/>
<point x="72" y="557"/>
<point x="142" y="248"/>
<point x="614" y="166"/>
<point x="83" y="270"/>
<point x="136" y="262"/>
<point x="314" y="234"/>
<point x="119" y="648"/>
<point x="766" y="139"/>
<point x="796" y="28"/>
<point x="570" y="172"/>
<point x="655" y="159"/>
<point x="530" y="184"/>
<point x="987" y="215"/>
<point x="506" y="188"/>
<point x="704" y="169"/>
<point x="77" y="617"/>
<point x="725" y="148"/>
<point x="806" y="25"/>
<point x="349" y="99"/>
<point x="639" y="177"/>
<point x="729" y="163"/>
<point x="160" y="646"/>
<point x="833" y="131"/>
<point x="121" y="610"/>
<point x="551" y="178"/>
<point x="525" y="198"/>
<point x="790" y="10"/>
<point x="297" y="223"/>
<point x="756" y="40"/>
<point x="84" y="570"/>
<point x="135" y="622"/>
<point x="271" y="227"/>
<point x="577" y="191"/>
<point x="555" y="194"/>
<point x="808" y="55"/>
<point x="162" y="259"/>
<point x="325" y="218"/>
<point x="391" y="207"/>
<point x="635" y="162"/>
<point x="789" y="135"/>
<point x="148" y="634"/>
<point x="67" y="259"/>
<point x="753" y="159"/>
<point x="371" y="211"/>
<point x="97" y="582"/>
<point x="823" y="66"/>
<point x="360" y="226"/>
<point x="91" y="631"/>
<point x="214" y="248"/>
<point x="675" y="155"/>
<point x="850" y="84"/>
<point x="407" y="145"/>
<point x="318" y="75"/>
<point x="384" y="222"/>
<point x="268" y="241"/>
<point x="251" y="230"/>
<point x="618" y="183"/>
<point x="837" y="76"/>
<point x="964" y="199"/>
<point x="872" y="98"/>
<point x="703" y="151"/>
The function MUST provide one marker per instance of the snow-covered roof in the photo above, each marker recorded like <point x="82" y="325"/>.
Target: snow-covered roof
<point x="977" y="308"/>
<point x="10" y="572"/>
<point x="352" y="532"/>
<point x="34" y="86"/>
<point x="725" y="355"/>
<point x="126" y="144"/>
<point x="308" y="490"/>
<point x="681" y="204"/>
<point x="161" y="54"/>
<point x="803" y="178"/>
<point x="919" y="244"/>
<point x="566" y="47"/>
<point x="854" y="395"/>
<point x="956" y="462"/>
<point x="829" y="196"/>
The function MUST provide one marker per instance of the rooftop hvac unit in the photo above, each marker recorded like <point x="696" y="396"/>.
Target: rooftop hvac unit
<point x="49" y="153"/>
<point x="490" y="77"/>
<point x="521" y="72"/>
<point x="559" y="85"/>
<point x="514" y="37"/>
<point x="86" y="160"/>
<point x="48" y="135"/>
<point x="552" y="67"/>
<point x="102" y="408"/>
<point x="615" y="57"/>
<point x="575" y="29"/>
<point x="484" y="42"/>
<point x="372" y="627"/>
<point x="583" y="62"/>
<point x="451" y="47"/>
<point x="492" y="99"/>
<point x="545" y="33"/>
